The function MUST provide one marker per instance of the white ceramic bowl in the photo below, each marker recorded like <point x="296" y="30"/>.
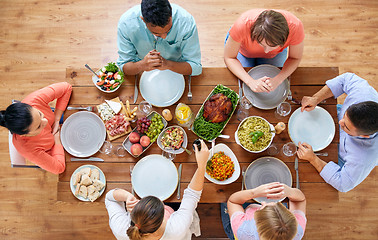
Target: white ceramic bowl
<point x="94" y="79"/>
<point x="175" y="151"/>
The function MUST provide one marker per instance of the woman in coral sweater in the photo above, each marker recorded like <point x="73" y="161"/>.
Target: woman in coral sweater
<point x="35" y="127"/>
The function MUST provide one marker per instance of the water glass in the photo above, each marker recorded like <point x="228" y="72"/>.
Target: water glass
<point x="272" y="150"/>
<point x="120" y="151"/>
<point x="144" y="108"/>
<point x="106" y="148"/>
<point x="168" y="155"/>
<point x="243" y="110"/>
<point x="283" y="109"/>
<point x="289" y="149"/>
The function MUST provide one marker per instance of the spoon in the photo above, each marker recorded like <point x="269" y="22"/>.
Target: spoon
<point x="90" y="69"/>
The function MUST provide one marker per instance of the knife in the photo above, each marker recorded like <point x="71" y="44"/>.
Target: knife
<point x="94" y="159"/>
<point x="296" y="171"/>
<point x="179" y="181"/>
<point x="136" y="89"/>
<point x="240" y="90"/>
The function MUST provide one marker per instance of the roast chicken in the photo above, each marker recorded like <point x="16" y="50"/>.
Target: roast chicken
<point x="217" y="108"/>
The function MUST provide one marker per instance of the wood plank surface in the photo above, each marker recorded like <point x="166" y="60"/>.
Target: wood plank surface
<point x="41" y="39"/>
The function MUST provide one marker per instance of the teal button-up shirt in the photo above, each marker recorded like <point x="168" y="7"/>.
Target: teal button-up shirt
<point x="181" y="44"/>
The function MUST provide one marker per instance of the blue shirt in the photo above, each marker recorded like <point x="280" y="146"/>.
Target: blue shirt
<point x="181" y="44"/>
<point x="359" y="154"/>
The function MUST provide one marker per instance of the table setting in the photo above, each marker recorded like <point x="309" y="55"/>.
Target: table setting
<point x="163" y="167"/>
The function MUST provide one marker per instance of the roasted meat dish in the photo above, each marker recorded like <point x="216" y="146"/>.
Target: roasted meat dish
<point x="217" y="108"/>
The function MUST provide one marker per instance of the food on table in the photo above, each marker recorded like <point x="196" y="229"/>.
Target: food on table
<point x="131" y="114"/>
<point x="105" y="111"/>
<point x="88" y="184"/>
<point x="279" y="127"/>
<point x="217" y="108"/>
<point x="256" y="135"/>
<point x="198" y="143"/>
<point x="250" y="125"/>
<point x="143" y="124"/>
<point x="134" y="137"/>
<point x="172" y="138"/>
<point x="136" y="149"/>
<point x="115" y="106"/>
<point x="155" y="128"/>
<point x="167" y="114"/>
<point x="184" y="114"/>
<point x="145" y="141"/>
<point x="220" y="166"/>
<point x="208" y="130"/>
<point x="117" y="125"/>
<point x="110" y="77"/>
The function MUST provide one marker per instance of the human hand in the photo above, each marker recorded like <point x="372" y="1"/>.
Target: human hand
<point x="273" y="83"/>
<point x="57" y="137"/>
<point x="260" y="85"/>
<point x="270" y="190"/>
<point x="308" y="103"/>
<point x="305" y="152"/>
<point x="152" y="60"/>
<point x="131" y="201"/>
<point x="55" y="127"/>
<point x="202" y="156"/>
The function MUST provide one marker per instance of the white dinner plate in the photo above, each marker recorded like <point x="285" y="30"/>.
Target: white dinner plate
<point x="266" y="170"/>
<point x="102" y="179"/>
<point x="227" y="151"/>
<point x="161" y="88"/>
<point x="83" y="134"/>
<point x="315" y="128"/>
<point x="266" y="100"/>
<point x="154" y="175"/>
<point x="174" y="151"/>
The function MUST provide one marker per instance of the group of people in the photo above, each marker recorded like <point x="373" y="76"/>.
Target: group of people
<point x="160" y="35"/>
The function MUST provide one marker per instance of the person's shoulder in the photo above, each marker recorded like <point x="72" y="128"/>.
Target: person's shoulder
<point x="131" y="14"/>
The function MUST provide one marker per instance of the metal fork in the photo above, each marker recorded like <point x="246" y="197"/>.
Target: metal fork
<point x="131" y="174"/>
<point x="190" y="96"/>
<point x="80" y="108"/>
<point x="243" y="173"/>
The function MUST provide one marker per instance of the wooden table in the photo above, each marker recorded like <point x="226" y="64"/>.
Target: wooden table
<point x="304" y="81"/>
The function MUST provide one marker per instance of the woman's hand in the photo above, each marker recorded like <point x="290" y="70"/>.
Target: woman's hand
<point x="57" y="138"/>
<point x="272" y="190"/>
<point x="202" y="156"/>
<point x="131" y="201"/>
<point x="55" y="127"/>
<point x="260" y="85"/>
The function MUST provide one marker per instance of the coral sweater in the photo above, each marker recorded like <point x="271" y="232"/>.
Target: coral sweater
<point x="41" y="149"/>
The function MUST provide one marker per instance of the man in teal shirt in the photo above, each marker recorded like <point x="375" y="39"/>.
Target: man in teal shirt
<point x="158" y="35"/>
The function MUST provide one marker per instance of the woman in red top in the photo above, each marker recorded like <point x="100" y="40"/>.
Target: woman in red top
<point x="35" y="127"/>
<point x="262" y="36"/>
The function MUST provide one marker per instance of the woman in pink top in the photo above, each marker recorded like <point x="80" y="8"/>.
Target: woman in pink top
<point x="269" y="220"/>
<point x="263" y="36"/>
<point x="35" y="127"/>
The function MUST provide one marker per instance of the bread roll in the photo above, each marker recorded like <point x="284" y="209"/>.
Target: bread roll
<point x="95" y="174"/>
<point x="98" y="185"/>
<point x="85" y="180"/>
<point x="77" y="190"/>
<point x="77" y="178"/>
<point x="92" y="197"/>
<point x="86" y="171"/>
<point x="91" y="189"/>
<point x="83" y="191"/>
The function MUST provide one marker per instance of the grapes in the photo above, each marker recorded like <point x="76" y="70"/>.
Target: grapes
<point x="155" y="128"/>
<point x="143" y="124"/>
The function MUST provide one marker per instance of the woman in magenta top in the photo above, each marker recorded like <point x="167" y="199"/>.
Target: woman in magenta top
<point x="262" y="36"/>
<point x="268" y="220"/>
<point x="35" y="127"/>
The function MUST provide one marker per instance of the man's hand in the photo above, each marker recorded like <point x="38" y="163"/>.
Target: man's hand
<point x="309" y="103"/>
<point x="152" y="60"/>
<point x="305" y="152"/>
<point x="260" y="85"/>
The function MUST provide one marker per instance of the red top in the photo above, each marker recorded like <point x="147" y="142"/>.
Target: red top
<point x="41" y="149"/>
<point x="241" y="33"/>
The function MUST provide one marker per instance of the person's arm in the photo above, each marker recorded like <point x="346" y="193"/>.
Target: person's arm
<point x="291" y="63"/>
<point x="183" y="68"/>
<point x="270" y="190"/>
<point x="231" y="51"/>
<point x="305" y="152"/>
<point x="198" y="178"/>
<point x="297" y="200"/>
<point x="309" y="103"/>
<point x="121" y="195"/>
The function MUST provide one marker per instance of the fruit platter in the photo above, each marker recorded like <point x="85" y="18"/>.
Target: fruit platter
<point x="144" y="134"/>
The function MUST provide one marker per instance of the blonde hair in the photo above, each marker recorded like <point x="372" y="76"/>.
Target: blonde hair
<point x="146" y="217"/>
<point x="276" y="223"/>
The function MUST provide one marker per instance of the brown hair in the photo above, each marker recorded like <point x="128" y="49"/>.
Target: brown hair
<point x="275" y="223"/>
<point x="146" y="217"/>
<point x="272" y="27"/>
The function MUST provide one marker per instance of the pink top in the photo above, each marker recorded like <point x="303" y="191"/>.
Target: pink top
<point x="244" y="226"/>
<point x="167" y="212"/>
<point x="241" y="33"/>
<point x="41" y="149"/>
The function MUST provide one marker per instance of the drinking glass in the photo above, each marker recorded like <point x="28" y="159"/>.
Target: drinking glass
<point x="272" y="150"/>
<point x="168" y="155"/>
<point x="184" y="115"/>
<point x="144" y="108"/>
<point x="106" y="148"/>
<point x="243" y="110"/>
<point x="283" y="109"/>
<point x="289" y="149"/>
<point x="120" y="151"/>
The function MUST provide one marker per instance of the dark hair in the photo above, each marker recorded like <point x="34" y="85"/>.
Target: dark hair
<point x="276" y="222"/>
<point x="156" y="12"/>
<point x="17" y="118"/>
<point x="146" y="217"/>
<point x="364" y="116"/>
<point x="272" y="27"/>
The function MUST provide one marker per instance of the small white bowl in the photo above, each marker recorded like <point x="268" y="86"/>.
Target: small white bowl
<point x="178" y="151"/>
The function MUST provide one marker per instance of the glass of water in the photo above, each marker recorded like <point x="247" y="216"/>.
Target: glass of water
<point x="289" y="149"/>
<point x="106" y="148"/>
<point x="168" y="155"/>
<point x="144" y="108"/>
<point x="283" y="109"/>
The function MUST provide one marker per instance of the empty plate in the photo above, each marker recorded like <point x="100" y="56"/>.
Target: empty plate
<point x="266" y="170"/>
<point x="161" y="88"/>
<point x="83" y="134"/>
<point x="316" y="128"/>
<point x="154" y="175"/>
<point x="266" y="100"/>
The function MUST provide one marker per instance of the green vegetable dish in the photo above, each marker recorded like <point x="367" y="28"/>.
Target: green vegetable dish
<point x="208" y="130"/>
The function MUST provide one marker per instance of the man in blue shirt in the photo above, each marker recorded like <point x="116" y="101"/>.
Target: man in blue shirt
<point x="158" y="35"/>
<point x="358" y="119"/>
